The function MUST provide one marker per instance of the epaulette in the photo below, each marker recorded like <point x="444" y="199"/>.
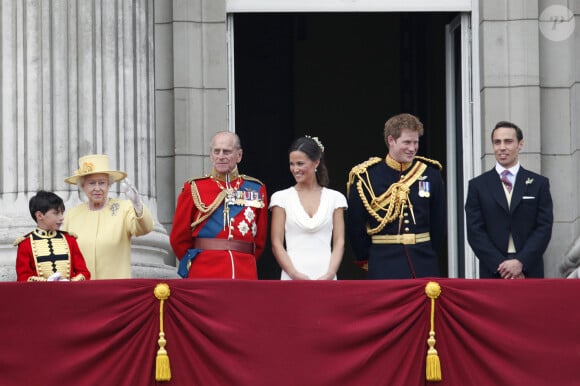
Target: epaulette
<point x="364" y="165"/>
<point x="20" y="239"/>
<point x="433" y="162"/>
<point x="357" y="170"/>
<point x="197" y="178"/>
<point x="245" y="177"/>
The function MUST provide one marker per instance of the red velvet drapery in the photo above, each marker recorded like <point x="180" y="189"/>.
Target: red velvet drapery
<point x="254" y="333"/>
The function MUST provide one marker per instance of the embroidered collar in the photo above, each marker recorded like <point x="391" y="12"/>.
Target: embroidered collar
<point x="222" y="177"/>
<point x="398" y="166"/>
<point x="44" y="234"/>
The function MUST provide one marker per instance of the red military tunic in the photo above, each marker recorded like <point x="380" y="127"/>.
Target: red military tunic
<point x="204" y="209"/>
<point x="42" y="253"/>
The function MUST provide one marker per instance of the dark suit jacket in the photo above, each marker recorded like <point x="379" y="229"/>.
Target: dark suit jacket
<point x="529" y="218"/>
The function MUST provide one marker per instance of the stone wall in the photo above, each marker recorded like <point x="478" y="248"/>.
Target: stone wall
<point x="76" y="78"/>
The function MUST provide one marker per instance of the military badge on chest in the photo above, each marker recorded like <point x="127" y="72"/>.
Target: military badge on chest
<point x="424" y="188"/>
<point x="240" y="196"/>
<point x="249" y="198"/>
<point x="236" y="198"/>
<point x="230" y="196"/>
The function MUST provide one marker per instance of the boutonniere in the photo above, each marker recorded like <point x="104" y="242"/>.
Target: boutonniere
<point x="422" y="178"/>
<point x="529" y="181"/>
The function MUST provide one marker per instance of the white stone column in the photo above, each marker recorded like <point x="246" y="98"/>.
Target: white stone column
<point x="560" y="80"/>
<point x="191" y="92"/>
<point x="76" y="78"/>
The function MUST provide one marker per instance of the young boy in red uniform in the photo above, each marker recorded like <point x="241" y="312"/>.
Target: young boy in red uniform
<point x="47" y="253"/>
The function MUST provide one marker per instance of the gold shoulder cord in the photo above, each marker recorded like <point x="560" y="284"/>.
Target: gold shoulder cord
<point x="436" y="163"/>
<point x="205" y="211"/>
<point x="391" y="201"/>
<point x="359" y="169"/>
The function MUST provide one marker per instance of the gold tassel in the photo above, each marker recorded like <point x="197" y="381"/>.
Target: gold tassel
<point x="162" y="368"/>
<point x="433" y="368"/>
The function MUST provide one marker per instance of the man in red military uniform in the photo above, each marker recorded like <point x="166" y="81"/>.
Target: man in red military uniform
<point x="221" y="220"/>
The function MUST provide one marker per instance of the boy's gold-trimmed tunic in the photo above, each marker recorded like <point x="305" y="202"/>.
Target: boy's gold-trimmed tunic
<point x="43" y="253"/>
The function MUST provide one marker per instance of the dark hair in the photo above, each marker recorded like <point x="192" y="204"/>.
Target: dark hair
<point x="44" y="201"/>
<point x="508" y="125"/>
<point x="397" y="123"/>
<point x="315" y="152"/>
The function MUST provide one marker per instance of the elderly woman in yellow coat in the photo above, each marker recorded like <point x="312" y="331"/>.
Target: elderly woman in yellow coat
<point x="104" y="225"/>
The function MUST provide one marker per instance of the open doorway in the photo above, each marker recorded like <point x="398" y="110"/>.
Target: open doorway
<point x="338" y="76"/>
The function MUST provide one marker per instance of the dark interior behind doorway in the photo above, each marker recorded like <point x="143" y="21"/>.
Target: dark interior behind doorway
<point x="338" y="77"/>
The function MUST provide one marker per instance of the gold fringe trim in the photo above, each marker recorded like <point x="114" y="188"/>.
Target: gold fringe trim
<point x="162" y="368"/>
<point x="18" y="240"/>
<point x="434" y="162"/>
<point x="357" y="170"/>
<point x="433" y="368"/>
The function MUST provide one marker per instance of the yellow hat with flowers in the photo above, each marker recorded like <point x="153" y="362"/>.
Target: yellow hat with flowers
<point x="94" y="164"/>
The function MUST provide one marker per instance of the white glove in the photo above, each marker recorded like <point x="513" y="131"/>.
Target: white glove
<point x="133" y="195"/>
<point x="54" y="277"/>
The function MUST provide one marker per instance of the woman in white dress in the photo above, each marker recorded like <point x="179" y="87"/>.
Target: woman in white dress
<point x="307" y="229"/>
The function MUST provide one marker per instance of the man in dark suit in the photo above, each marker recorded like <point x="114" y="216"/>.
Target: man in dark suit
<point x="509" y="212"/>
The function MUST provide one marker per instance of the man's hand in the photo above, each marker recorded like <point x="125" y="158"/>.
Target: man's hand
<point x="511" y="269"/>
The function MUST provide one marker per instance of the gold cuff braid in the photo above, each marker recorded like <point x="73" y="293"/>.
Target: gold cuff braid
<point x="36" y="278"/>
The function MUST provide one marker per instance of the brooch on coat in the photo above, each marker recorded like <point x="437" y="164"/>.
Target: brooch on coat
<point x="114" y="209"/>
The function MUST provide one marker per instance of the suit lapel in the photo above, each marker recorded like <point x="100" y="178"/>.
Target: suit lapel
<point x="519" y="189"/>
<point x="495" y="186"/>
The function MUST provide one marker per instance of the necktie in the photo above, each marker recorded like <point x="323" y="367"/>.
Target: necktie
<point x="506" y="181"/>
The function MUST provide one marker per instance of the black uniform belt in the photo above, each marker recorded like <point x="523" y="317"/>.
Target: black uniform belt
<point x="407" y="238"/>
<point x="224" y="245"/>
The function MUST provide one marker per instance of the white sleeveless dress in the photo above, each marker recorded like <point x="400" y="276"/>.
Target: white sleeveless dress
<point x="308" y="239"/>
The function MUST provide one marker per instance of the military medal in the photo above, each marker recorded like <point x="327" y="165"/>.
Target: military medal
<point x="424" y="189"/>
<point x="249" y="198"/>
<point x="230" y="196"/>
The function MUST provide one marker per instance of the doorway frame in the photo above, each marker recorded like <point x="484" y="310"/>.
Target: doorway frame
<point x="470" y="113"/>
<point x="471" y="126"/>
<point x="296" y="6"/>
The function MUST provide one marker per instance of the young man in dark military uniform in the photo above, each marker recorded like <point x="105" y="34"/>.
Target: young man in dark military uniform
<point x="396" y="219"/>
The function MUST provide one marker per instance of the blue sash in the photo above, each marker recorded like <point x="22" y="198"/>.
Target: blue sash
<point x="212" y="227"/>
